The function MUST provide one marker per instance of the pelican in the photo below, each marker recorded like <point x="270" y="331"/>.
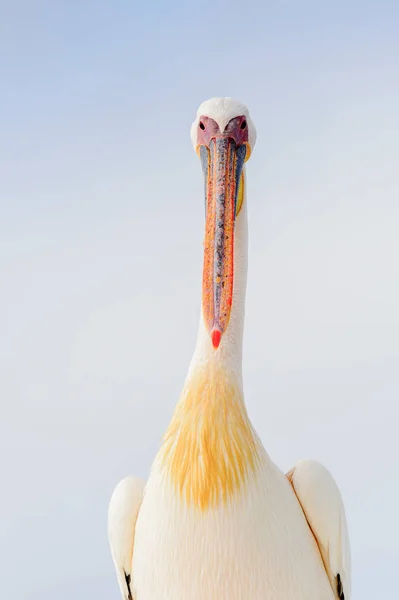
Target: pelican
<point x="217" y="519"/>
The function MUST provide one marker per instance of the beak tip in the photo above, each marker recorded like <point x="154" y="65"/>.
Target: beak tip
<point x="216" y="336"/>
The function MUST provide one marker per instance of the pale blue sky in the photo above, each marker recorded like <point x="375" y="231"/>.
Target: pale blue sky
<point x="100" y="191"/>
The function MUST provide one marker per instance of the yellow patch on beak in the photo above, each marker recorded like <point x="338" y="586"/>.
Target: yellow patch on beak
<point x="210" y="447"/>
<point x="240" y="194"/>
<point x="249" y="152"/>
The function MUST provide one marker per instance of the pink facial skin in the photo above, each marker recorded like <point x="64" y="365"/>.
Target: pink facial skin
<point x="236" y="129"/>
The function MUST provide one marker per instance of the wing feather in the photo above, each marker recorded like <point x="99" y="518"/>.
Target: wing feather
<point x="322" y="505"/>
<point x="122" y="516"/>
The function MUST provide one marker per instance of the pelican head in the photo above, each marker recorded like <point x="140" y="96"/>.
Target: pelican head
<point x="223" y="136"/>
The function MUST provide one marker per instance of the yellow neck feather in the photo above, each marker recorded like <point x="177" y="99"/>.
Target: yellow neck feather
<point x="209" y="447"/>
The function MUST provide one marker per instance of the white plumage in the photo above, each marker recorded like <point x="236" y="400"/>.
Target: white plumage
<point x="257" y="535"/>
<point x="122" y="515"/>
<point x="322" y="504"/>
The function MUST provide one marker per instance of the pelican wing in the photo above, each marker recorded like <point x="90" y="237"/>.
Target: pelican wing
<point x="122" y="516"/>
<point x="322" y="504"/>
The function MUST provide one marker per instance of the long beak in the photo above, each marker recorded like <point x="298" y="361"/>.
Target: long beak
<point x="222" y="164"/>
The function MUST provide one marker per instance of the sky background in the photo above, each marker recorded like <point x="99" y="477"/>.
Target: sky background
<point x="101" y="229"/>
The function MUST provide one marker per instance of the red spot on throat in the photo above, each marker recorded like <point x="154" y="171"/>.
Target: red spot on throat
<point x="216" y="336"/>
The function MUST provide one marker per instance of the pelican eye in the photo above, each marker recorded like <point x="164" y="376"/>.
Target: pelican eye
<point x="202" y="126"/>
<point x="243" y="124"/>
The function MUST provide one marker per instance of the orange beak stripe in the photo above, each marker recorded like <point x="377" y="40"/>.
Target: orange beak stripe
<point x="223" y="169"/>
